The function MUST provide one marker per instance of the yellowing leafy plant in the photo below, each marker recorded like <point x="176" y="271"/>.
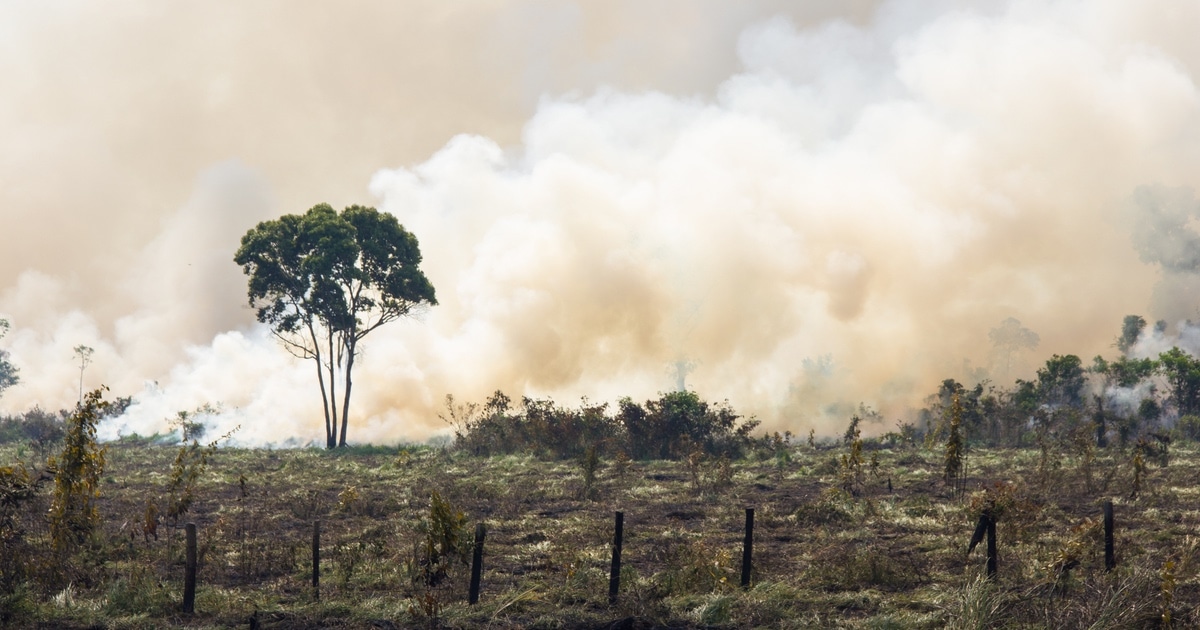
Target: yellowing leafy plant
<point x="850" y="469"/>
<point x="955" y="456"/>
<point x="1167" y="584"/>
<point x="73" y="514"/>
<point x="348" y="498"/>
<point x="189" y="465"/>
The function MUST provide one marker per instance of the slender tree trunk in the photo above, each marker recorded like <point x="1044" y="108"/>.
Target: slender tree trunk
<point x="346" y="391"/>
<point x="326" y="404"/>
<point x="332" y="437"/>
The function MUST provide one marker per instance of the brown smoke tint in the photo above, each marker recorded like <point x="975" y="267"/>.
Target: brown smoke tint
<point x="814" y="208"/>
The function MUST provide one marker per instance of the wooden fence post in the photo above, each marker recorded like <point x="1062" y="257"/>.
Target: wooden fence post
<point x="316" y="560"/>
<point x="986" y="526"/>
<point x="614" y="576"/>
<point x="992" y="562"/>
<point x="1110" y="559"/>
<point x="477" y="563"/>
<point x="189" y="576"/>
<point x="748" y="548"/>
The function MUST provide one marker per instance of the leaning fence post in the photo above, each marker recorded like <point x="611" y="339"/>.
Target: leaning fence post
<point x="986" y="526"/>
<point x="748" y="548"/>
<point x="1110" y="559"/>
<point x="991" y="547"/>
<point x="189" y="576"/>
<point x="316" y="560"/>
<point x="614" y="576"/>
<point x="477" y="563"/>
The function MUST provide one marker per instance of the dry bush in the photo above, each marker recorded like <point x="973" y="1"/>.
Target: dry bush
<point x="885" y="564"/>
<point x="693" y="565"/>
<point x="828" y="510"/>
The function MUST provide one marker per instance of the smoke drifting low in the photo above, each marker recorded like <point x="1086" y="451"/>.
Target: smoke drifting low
<point x="841" y="218"/>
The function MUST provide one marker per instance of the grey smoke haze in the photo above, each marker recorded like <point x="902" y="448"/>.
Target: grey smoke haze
<point x="600" y="190"/>
<point x="1165" y="221"/>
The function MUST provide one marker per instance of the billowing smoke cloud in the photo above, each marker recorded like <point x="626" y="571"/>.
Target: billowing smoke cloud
<point x="1153" y="341"/>
<point x="839" y="214"/>
<point x="1165" y="221"/>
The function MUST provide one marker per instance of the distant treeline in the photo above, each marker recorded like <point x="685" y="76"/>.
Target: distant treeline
<point x="1119" y="401"/>
<point x="43" y="429"/>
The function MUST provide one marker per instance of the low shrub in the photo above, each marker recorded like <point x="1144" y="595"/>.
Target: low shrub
<point x="537" y="426"/>
<point x="1189" y="428"/>
<point x="829" y="509"/>
<point x="666" y="428"/>
<point x="882" y="564"/>
<point x="138" y="592"/>
<point x="671" y="427"/>
<point x="40" y="428"/>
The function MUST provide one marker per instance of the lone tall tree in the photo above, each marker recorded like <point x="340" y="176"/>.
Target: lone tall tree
<point x="1009" y="339"/>
<point x="84" y="354"/>
<point x="324" y="280"/>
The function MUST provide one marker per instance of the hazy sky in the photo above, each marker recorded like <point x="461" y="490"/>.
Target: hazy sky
<point x="600" y="189"/>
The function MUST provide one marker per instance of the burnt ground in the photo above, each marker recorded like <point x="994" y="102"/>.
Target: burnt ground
<point x="832" y="546"/>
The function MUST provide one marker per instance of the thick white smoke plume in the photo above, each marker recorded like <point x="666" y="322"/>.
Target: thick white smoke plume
<point x="841" y="218"/>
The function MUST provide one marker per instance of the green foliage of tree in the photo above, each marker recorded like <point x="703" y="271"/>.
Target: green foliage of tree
<point x="73" y="514"/>
<point x="1123" y="372"/>
<point x="1148" y="413"/>
<point x="1025" y="396"/>
<point x="1131" y="329"/>
<point x="1182" y="371"/>
<point x="1053" y="404"/>
<point x="324" y="280"/>
<point x="852" y="431"/>
<point x="977" y="409"/>
<point x="1005" y="414"/>
<point x="8" y="372"/>
<point x="671" y="427"/>
<point x="665" y="428"/>
<point x="1061" y="381"/>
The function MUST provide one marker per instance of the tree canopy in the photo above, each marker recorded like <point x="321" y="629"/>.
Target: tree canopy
<point x="1183" y="379"/>
<point x="1131" y="328"/>
<point x="324" y="280"/>
<point x="1062" y="381"/>
<point x="8" y="371"/>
